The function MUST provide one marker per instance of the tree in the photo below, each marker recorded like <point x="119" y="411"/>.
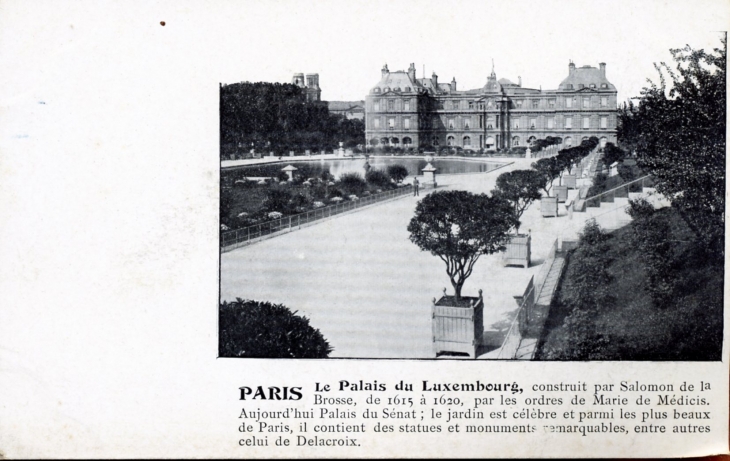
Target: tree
<point x="679" y="134"/>
<point x="459" y="227"/>
<point x="397" y="172"/>
<point x="521" y="188"/>
<point x="265" y="330"/>
<point x="549" y="168"/>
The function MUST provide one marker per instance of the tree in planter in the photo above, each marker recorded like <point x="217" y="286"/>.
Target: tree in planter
<point x="266" y="330"/>
<point x="459" y="227"/>
<point x="549" y="169"/>
<point x="521" y="188"/>
<point x="397" y="172"/>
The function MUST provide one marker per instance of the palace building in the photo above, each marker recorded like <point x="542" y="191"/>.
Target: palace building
<point x="405" y="111"/>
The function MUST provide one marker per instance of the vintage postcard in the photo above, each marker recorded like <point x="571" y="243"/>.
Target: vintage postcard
<point x="278" y="229"/>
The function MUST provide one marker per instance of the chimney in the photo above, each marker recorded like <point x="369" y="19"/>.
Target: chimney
<point x="453" y="84"/>
<point x="571" y="68"/>
<point x="519" y="81"/>
<point x="435" y="79"/>
<point x="412" y="72"/>
<point x="384" y="71"/>
<point x="603" y="69"/>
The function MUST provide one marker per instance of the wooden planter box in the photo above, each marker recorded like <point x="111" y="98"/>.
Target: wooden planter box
<point x="457" y="328"/>
<point x="549" y="206"/>
<point x="518" y="251"/>
<point x="569" y="181"/>
<point x="561" y="192"/>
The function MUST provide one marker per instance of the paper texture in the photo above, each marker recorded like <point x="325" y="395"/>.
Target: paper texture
<point x="109" y="231"/>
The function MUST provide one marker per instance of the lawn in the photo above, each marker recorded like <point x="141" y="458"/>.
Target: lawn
<point x="628" y="325"/>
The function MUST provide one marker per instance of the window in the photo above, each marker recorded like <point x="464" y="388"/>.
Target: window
<point x="604" y="123"/>
<point x="376" y="122"/>
<point x="451" y="124"/>
<point x="407" y="104"/>
<point x="435" y="122"/>
<point x="391" y="123"/>
<point x="593" y="85"/>
<point x="489" y="103"/>
<point x="450" y="141"/>
<point x="581" y="86"/>
<point x="455" y="105"/>
<point x="568" y="123"/>
<point x="535" y="103"/>
<point x="516" y="124"/>
<point x="406" y="123"/>
<point x="391" y="104"/>
<point x="586" y="103"/>
<point x="467" y="141"/>
<point x="516" y="141"/>
<point x="551" y="123"/>
<point x="568" y="141"/>
<point x="435" y="140"/>
<point x="569" y="102"/>
<point x="586" y="123"/>
<point x="471" y="104"/>
<point x="603" y="85"/>
<point x="376" y="105"/>
<point x="467" y="122"/>
<point x="570" y="86"/>
<point x="551" y="103"/>
<point x="407" y="141"/>
<point x="604" y="101"/>
<point x="518" y="103"/>
<point x="533" y="123"/>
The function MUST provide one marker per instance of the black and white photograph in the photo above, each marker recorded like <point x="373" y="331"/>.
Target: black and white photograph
<point x="363" y="229"/>
<point x="537" y="209"/>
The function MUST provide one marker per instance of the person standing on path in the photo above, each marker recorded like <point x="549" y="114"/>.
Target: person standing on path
<point x="415" y="187"/>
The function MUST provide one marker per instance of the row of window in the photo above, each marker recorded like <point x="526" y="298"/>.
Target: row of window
<point x="517" y="123"/>
<point x="569" y="102"/>
<point x="489" y="142"/>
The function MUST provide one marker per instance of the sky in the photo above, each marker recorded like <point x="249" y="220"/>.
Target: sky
<point x="348" y="42"/>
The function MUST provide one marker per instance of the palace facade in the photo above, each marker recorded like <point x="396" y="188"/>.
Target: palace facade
<point x="405" y="111"/>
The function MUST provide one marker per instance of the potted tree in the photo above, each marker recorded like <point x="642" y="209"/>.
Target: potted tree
<point x="520" y="188"/>
<point x="459" y="227"/>
<point x="549" y="169"/>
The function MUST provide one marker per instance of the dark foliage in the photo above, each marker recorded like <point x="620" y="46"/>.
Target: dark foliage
<point x="265" y="330"/>
<point x="377" y="178"/>
<point x="277" y="200"/>
<point x="277" y="117"/>
<point x="459" y="227"/>
<point x="521" y="188"/>
<point x="352" y="183"/>
<point x="549" y="168"/>
<point x="397" y="172"/>
<point x="678" y="131"/>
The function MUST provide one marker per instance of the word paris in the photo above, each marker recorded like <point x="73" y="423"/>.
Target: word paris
<point x="427" y="386"/>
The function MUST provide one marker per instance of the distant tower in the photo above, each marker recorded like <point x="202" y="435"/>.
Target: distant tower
<point x="384" y="71"/>
<point x="412" y="72"/>
<point x="313" y="92"/>
<point x="310" y="85"/>
<point x="453" y="84"/>
<point x="298" y="80"/>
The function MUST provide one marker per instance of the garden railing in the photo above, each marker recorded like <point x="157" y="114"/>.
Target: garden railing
<point x="230" y="240"/>
<point x="622" y="191"/>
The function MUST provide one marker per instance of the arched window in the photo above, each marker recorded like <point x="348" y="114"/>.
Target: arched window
<point x="489" y="143"/>
<point x="585" y="138"/>
<point x="407" y="141"/>
<point x="450" y="141"/>
<point x="568" y="141"/>
<point x="531" y="139"/>
<point x="467" y="141"/>
<point x="603" y="141"/>
<point x="394" y="141"/>
<point x="435" y="140"/>
<point x="516" y="141"/>
<point x="384" y="141"/>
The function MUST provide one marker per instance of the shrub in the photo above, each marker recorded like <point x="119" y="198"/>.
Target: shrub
<point x="265" y="330"/>
<point x="397" y="172"/>
<point x="378" y="178"/>
<point x="277" y="200"/>
<point x="282" y="176"/>
<point x="352" y="183"/>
